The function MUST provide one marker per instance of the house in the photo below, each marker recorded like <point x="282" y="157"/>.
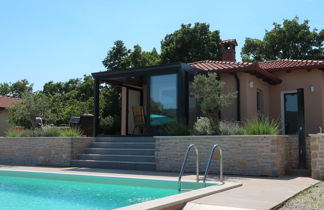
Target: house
<point x="291" y="91"/>
<point x="5" y="103"/>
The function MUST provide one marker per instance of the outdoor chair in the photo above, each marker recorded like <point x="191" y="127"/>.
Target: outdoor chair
<point x="139" y="117"/>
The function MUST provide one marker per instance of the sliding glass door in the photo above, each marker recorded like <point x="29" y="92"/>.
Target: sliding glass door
<point x="163" y="99"/>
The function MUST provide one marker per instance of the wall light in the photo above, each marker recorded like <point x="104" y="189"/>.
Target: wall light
<point x="312" y="88"/>
<point x="251" y="84"/>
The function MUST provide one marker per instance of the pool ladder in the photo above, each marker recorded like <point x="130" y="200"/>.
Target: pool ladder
<point x="215" y="146"/>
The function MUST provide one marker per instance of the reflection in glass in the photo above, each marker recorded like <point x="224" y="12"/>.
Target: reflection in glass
<point x="291" y="113"/>
<point x="163" y="99"/>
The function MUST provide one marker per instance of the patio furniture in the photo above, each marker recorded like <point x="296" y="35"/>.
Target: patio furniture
<point x="139" y="117"/>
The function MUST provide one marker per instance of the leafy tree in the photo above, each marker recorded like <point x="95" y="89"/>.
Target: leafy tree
<point x="211" y="99"/>
<point x="291" y="40"/>
<point x="139" y="58"/>
<point x="33" y="105"/>
<point x="15" y="89"/>
<point x="191" y="43"/>
<point x="116" y="58"/>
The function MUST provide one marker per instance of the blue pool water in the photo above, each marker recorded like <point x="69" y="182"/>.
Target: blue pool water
<point x="27" y="190"/>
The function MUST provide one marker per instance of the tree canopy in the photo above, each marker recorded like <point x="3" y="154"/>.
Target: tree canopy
<point x="119" y="57"/>
<point x="289" y="40"/>
<point x="15" y="89"/>
<point x="191" y="43"/>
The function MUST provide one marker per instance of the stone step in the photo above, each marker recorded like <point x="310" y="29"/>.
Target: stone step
<point x="135" y="145"/>
<point x="120" y="151"/>
<point x="125" y="139"/>
<point x="147" y="166"/>
<point x="134" y="158"/>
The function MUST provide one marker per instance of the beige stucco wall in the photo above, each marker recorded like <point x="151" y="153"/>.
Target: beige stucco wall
<point x="314" y="102"/>
<point x="4" y="125"/>
<point x="230" y="112"/>
<point x="248" y="100"/>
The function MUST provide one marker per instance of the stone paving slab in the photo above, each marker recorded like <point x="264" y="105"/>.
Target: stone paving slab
<point x="256" y="193"/>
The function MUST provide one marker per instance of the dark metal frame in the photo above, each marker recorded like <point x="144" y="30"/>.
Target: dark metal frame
<point x="301" y="128"/>
<point x="181" y="69"/>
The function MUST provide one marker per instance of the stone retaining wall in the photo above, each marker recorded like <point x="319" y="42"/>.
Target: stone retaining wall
<point x="243" y="155"/>
<point x="317" y="156"/>
<point x="292" y="152"/>
<point x="41" y="151"/>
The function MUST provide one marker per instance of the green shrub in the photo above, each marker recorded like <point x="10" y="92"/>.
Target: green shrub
<point x="48" y="131"/>
<point x="260" y="126"/>
<point x="71" y="132"/>
<point x="203" y="126"/>
<point x="20" y="133"/>
<point x="13" y="133"/>
<point x="230" y="128"/>
<point x="109" y="125"/>
<point x="178" y="129"/>
<point x="45" y="132"/>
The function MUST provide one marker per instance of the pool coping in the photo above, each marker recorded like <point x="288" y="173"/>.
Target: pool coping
<point x="178" y="201"/>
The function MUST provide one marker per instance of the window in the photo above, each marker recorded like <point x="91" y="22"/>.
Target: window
<point x="259" y="97"/>
<point x="163" y="99"/>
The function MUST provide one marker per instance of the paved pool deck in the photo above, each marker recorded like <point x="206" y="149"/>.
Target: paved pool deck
<point x="255" y="192"/>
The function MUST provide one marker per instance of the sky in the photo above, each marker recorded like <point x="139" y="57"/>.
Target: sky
<point x="56" y="40"/>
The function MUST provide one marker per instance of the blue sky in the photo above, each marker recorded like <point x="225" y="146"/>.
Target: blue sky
<point x="58" y="39"/>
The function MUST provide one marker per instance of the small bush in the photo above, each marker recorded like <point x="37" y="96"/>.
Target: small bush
<point x="178" y="129"/>
<point x="48" y="131"/>
<point x="71" y="132"/>
<point x="45" y="132"/>
<point x="108" y="124"/>
<point x="13" y="133"/>
<point x="230" y="128"/>
<point x="260" y="126"/>
<point x="203" y="126"/>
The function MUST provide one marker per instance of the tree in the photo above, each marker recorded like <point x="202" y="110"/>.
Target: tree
<point x="15" y="89"/>
<point x="211" y="99"/>
<point x="139" y="58"/>
<point x="116" y="58"/>
<point x="33" y="105"/>
<point x="291" y="40"/>
<point x="189" y="44"/>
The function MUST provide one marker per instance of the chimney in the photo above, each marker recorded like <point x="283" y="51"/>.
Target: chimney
<point x="228" y="49"/>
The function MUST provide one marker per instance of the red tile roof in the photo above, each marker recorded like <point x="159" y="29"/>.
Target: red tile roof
<point x="284" y="65"/>
<point x="6" y="102"/>
<point x="227" y="66"/>
<point x="262" y="69"/>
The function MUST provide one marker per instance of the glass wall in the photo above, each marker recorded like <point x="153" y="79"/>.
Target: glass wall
<point x="163" y="99"/>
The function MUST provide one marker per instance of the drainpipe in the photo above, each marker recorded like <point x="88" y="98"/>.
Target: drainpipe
<point x="238" y="99"/>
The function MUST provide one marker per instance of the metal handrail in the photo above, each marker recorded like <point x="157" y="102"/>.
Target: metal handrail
<point x="185" y="162"/>
<point x="221" y="178"/>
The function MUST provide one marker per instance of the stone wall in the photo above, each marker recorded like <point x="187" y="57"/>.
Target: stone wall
<point x="317" y="156"/>
<point x="242" y="155"/>
<point x="292" y="152"/>
<point x="41" y="151"/>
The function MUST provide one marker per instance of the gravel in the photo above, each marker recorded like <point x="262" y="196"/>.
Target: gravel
<point x="312" y="198"/>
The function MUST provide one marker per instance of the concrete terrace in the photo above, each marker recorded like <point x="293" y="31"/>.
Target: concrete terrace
<point x="255" y="192"/>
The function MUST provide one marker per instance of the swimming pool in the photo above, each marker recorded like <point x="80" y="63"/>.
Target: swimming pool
<point x="30" y="190"/>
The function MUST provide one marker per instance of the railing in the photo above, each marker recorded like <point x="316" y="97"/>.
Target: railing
<point x="221" y="178"/>
<point x="185" y="162"/>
